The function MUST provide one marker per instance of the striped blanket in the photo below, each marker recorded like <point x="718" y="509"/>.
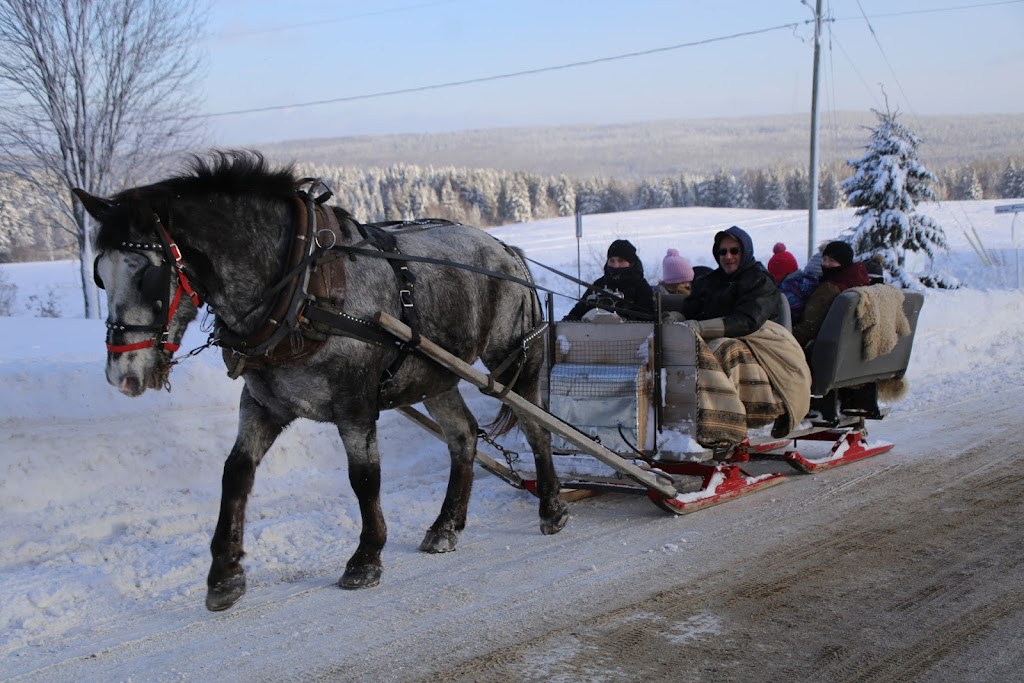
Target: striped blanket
<point x="736" y="392"/>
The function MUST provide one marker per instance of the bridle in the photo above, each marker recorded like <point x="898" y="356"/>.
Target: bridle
<point x="155" y="287"/>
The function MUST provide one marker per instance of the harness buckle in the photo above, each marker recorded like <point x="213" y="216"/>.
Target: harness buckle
<point x="405" y="296"/>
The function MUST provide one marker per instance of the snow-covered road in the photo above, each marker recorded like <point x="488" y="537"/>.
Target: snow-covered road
<point x="829" y="577"/>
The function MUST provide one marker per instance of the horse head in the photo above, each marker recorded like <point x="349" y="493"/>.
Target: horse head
<point x="150" y="298"/>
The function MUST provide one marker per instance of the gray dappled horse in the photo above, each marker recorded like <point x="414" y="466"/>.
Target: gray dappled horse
<point x="224" y="234"/>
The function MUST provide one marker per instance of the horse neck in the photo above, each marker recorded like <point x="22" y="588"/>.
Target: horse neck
<point x="243" y="243"/>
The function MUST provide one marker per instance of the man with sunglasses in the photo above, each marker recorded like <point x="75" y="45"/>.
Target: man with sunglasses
<point x="730" y="309"/>
<point x="738" y="297"/>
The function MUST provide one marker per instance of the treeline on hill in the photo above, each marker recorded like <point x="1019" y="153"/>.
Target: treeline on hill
<point x="29" y="230"/>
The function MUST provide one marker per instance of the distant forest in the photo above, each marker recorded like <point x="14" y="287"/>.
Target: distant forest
<point x="503" y="176"/>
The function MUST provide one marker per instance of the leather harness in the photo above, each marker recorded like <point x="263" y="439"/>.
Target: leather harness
<point x="311" y="293"/>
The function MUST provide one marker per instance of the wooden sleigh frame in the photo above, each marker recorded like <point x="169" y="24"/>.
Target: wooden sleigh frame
<point x="685" y="482"/>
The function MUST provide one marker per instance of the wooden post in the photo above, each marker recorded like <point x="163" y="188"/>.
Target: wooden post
<point x="547" y="420"/>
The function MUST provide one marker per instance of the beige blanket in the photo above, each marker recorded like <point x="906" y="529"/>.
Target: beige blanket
<point x="779" y="353"/>
<point x="749" y="382"/>
<point x="881" y="318"/>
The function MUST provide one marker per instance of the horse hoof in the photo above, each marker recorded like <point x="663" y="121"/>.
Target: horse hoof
<point x="439" y="541"/>
<point x="364" y="576"/>
<point x="225" y="593"/>
<point x="556" y="522"/>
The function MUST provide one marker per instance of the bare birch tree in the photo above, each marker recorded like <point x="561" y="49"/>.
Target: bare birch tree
<point x="90" y="92"/>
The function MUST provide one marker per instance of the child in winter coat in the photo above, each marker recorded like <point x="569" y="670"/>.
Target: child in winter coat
<point x="622" y="289"/>
<point x="799" y="285"/>
<point x="676" y="274"/>
<point x="782" y="263"/>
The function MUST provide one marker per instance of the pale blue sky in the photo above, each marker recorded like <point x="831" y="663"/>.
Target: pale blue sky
<point x="930" y="57"/>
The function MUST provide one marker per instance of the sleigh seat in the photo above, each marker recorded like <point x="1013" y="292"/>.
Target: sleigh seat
<point x="843" y="382"/>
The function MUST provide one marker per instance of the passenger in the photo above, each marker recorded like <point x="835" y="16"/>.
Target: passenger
<point x="676" y="275"/>
<point x="701" y="271"/>
<point x="799" y="284"/>
<point x="622" y="289"/>
<point x="838" y="273"/>
<point x="738" y="297"/>
<point x="782" y="263"/>
<point x="732" y="310"/>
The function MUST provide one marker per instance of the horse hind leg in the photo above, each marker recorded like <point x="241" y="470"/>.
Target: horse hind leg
<point x="460" y="430"/>
<point x="554" y="513"/>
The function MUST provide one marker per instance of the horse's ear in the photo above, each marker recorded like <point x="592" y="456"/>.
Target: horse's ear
<point x="96" y="206"/>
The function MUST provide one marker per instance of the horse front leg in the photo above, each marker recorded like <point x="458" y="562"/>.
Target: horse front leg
<point x="364" y="568"/>
<point x="257" y="431"/>
<point x="460" y="429"/>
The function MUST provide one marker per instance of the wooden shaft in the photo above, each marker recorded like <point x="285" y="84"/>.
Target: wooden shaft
<point x="547" y="420"/>
<point x="485" y="461"/>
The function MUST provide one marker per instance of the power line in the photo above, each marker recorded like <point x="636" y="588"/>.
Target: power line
<point x="885" y="57"/>
<point x="853" y="65"/>
<point x="559" y="67"/>
<point x="934" y="10"/>
<point x="514" y="74"/>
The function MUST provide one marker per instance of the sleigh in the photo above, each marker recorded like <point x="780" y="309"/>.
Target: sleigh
<point x="621" y="406"/>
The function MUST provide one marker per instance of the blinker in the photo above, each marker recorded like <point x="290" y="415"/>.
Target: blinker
<point x="151" y="283"/>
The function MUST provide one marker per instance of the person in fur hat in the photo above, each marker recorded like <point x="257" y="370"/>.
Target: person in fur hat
<point x="622" y="289"/>
<point x="782" y="263"/>
<point x="839" y="272"/>
<point x="676" y="274"/>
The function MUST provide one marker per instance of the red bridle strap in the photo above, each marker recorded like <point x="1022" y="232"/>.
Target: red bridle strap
<point x="184" y="286"/>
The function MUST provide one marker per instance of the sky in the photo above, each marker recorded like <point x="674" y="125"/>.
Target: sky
<point x="704" y="59"/>
<point x="109" y="502"/>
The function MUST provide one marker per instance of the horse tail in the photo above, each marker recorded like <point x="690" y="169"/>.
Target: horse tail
<point x="503" y="423"/>
<point x="506" y="419"/>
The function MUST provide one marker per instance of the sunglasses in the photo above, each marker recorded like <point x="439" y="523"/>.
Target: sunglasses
<point x="735" y="251"/>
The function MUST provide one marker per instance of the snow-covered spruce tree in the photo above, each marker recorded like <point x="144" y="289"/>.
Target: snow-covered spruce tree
<point x="888" y="183"/>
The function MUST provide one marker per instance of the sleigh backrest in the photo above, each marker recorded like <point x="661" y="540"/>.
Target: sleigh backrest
<point x="837" y="360"/>
<point x="601" y="382"/>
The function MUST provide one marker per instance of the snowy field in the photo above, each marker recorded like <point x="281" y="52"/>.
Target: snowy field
<point x="109" y="502"/>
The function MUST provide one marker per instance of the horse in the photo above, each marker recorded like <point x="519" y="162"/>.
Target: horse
<point x="246" y="239"/>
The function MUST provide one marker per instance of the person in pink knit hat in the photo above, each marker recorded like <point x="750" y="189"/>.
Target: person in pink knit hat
<point x="676" y="274"/>
<point x="782" y="263"/>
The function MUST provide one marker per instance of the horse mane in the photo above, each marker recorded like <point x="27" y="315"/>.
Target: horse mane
<point x="233" y="172"/>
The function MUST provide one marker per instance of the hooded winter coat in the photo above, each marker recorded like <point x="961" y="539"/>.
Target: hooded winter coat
<point x="745" y="299"/>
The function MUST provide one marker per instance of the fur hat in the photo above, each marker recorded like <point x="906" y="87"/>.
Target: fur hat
<point x="623" y="249"/>
<point x="782" y="263"/>
<point x="841" y="251"/>
<point x="675" y="268"/>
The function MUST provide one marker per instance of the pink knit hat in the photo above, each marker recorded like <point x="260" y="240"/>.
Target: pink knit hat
<point x="675" y="268"/>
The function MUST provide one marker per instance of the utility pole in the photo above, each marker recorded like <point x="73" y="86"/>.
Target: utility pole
<point x="812" y="214"/>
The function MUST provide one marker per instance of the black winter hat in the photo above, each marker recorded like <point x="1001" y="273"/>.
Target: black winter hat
<point x="623" y="249"/>
<point x="841" y="251"/>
